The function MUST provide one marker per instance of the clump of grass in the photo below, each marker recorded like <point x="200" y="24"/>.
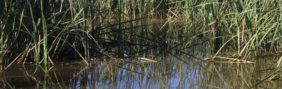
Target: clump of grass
<point x="243" y="26"/>
<point x="41" y="31"/>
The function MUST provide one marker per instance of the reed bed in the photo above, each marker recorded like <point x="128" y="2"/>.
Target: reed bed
<point x="43" y="31"/>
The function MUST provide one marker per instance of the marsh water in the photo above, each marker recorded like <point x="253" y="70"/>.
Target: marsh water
<point x="138" y="44"/>
<point x="181" y="64"/>
<point x="170" y="72"/>
<point x="177" y="67"/>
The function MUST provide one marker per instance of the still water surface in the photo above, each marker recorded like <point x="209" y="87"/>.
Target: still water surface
<point x="168" y="73"/>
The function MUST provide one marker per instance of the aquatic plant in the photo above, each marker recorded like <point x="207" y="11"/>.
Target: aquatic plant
<point x="42" y="31"/>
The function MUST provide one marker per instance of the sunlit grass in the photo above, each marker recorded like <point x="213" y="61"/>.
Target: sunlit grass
<point x="42" y="32"/>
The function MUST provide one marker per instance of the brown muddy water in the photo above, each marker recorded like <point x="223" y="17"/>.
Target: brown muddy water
<point x="171" y="72"/>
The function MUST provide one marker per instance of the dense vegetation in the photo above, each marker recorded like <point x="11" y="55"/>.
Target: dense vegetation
<point x="45" y="30"/>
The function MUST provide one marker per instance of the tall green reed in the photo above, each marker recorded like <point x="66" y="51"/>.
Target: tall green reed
<point x="51" y="29"/>
<point x="39" y="33"/>
<point x="3" y="47"/>
<point x="249" y="24"/>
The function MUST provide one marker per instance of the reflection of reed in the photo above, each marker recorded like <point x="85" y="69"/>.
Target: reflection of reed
<point x="31" y="76"/>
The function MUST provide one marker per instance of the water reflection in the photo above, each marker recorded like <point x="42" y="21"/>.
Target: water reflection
<point x="169" y="74"/>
